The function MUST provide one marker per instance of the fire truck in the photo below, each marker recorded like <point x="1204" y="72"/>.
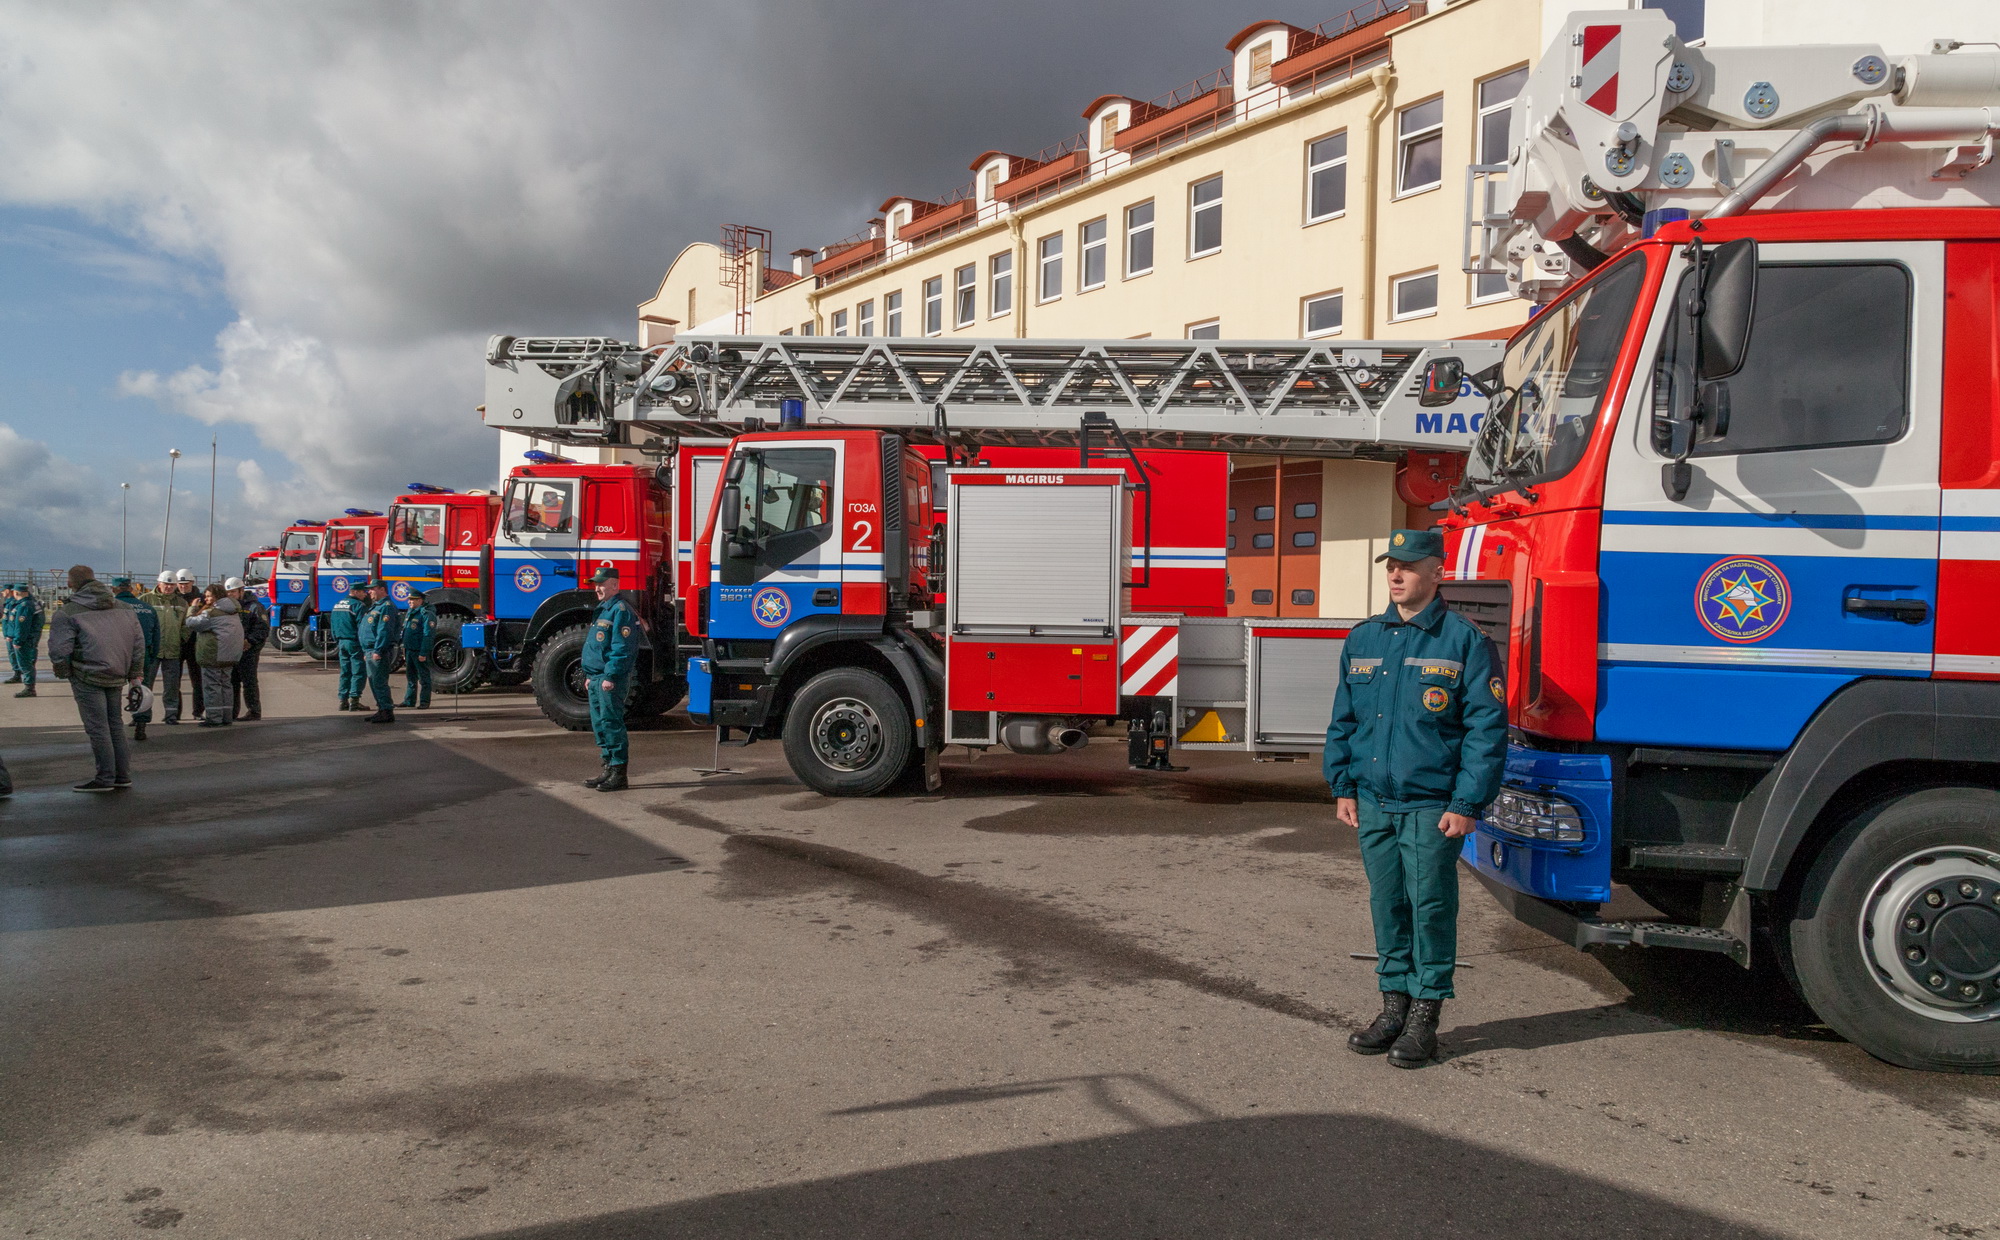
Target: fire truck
<point x="292" y="583"/>
<point x="350" y="551"/>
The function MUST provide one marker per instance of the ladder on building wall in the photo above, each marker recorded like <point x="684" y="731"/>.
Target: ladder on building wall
<point x="1307" y="398"/>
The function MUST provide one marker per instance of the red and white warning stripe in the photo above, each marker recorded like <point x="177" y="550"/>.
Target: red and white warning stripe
<point x="1597" y="76"/>
<point x="1465" y="562"/>
<point x="1149" y="660"/>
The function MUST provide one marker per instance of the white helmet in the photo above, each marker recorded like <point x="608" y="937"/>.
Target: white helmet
<point x="186" y="574"/>
<point x="138" y="699"/>
<point x="234" y="583"/>
<point x="166" y="577"/>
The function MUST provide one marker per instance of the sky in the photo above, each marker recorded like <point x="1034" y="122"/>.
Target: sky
<point x="293" y="226"/>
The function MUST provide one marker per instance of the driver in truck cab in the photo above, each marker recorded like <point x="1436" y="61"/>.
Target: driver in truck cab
<point x="1414" y="754"/>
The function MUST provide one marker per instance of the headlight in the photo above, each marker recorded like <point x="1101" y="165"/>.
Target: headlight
<point x="1535" y="817"/>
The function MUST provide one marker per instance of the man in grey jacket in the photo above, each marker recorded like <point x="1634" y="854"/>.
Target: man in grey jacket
<point x="97" y="645"/>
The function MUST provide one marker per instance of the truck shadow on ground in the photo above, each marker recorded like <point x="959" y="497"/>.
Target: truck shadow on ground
<point x="1283" y="1177"/>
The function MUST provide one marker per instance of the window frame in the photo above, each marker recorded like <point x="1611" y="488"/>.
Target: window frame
<point x="1395" y="314"/>
<point x="1045" y="259"/>
<point x="1195" y="211"/>
<point x="1084" y="246"/>
<point x="999" y="282"/>
<point x="1188" y="332"/>
<point x="1473" y="297"/>
<point x="1306" y="304"/>
<point x="1269" y="48"/>
<point x="1404" y="141"/>
<point x="964" y="295"/>
<point x="1149" y="230"/>
<point x="892" y="314"/>
<point x="931" y="306"/>
<point x="1314" y="169"/>
<point x="864" y="318"/>
<point x="838" y="323"/>
<point x="1480" y="111"/>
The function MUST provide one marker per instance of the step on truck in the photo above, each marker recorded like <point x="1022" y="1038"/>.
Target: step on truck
<point x="1734" y="518"/>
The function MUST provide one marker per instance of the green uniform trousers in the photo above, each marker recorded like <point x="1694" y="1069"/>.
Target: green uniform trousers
<point x="1412" y="896"/>
<point x="607" y="719"/>
<point x="378" y="679"/>
<point x="23" y="655"/>
<point x="353" y="669"/>
<point x="418" y="672"/>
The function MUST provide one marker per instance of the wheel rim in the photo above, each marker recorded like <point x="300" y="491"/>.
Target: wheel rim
<point x="847" y="734"/>
<point x="1931" y="930"/>
<point x="289" y="635"/>
<point x="444" y="656"/>
<point x="573" y="677"/>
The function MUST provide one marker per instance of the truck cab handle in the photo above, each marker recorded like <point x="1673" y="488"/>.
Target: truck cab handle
<point x="1908" y="610"/>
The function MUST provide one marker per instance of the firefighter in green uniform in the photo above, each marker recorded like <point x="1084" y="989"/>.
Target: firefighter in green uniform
<point x="346" y="633"/>
<point x="25" y="645"/>
<point x="123" y="590"/>
<point x="380" y="632"/>
<point x="10" y="628"/>
<point x="1414" y="754"/>
<point x="418" y="624"/>
<point x="608" y="648"/>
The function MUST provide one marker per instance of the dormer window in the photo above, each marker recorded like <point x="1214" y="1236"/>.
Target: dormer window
<point x="1260" y="65"/>
<point x="1107" y="130"/>
<point x="990" y="183"/>
<point x="1106" y="115"/>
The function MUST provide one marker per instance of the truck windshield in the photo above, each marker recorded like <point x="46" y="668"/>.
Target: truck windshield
<point x="300" y="549"/>
<point x="1552" y="382"/>
<point x="416" y="525"/>
<point x="346" y="548"/>
<point x="786" y="489"/>
<point x="537" y="507"/>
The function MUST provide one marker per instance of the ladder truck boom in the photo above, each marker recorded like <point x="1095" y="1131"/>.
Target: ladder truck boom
<point x="1622" y="126"/>
<point x="1310" y="398"/>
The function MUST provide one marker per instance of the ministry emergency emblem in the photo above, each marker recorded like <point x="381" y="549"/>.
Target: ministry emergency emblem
<point x="1499" y="690"/>
<point x="770" y="607"/>
<point x="527" y="578"/>
<point x="400" y="591"/>
<point x="1743" y="599"/>
<point x="341" y="585"/>
<point x="1436" y="699"/>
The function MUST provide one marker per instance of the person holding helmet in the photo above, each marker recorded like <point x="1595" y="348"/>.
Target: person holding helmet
<point x="191" y="598"/>
<point x="246" y="701"/>
<point x="380" y="633"/>
<point x="100" y="649"/>
<point x="609" y="646"/>
<point x="149" y="622"/>
<point x="345" y="627"/>
<point x="25" y="645"/>
<point x="170" y="606"/>
<point x="418" y="624"/>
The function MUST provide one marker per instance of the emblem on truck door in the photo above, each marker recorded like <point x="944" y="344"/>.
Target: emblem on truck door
<point x="770" y="607"/>
<point x="527" y="578"/>
<point x="1743" y="599"/>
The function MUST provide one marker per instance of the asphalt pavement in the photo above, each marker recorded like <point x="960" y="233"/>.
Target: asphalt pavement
<point x="311" y="977"/>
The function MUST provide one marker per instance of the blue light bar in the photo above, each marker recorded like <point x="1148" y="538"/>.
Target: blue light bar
<point x="305" y="521"/>
<point x="540" y="457"/>
<point x="425" y="488"/>
<point x="361" y="512"/>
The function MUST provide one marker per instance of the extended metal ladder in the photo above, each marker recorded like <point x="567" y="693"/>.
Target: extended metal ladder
<point x="1310" y="398"/>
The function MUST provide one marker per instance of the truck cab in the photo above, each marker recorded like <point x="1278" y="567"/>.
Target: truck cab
<point x="349" y="553"/>
<point x="292" y="582"/>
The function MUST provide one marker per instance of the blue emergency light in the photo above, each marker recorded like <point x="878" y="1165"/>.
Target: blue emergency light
<point x="540" y="457"/>
<point x="792" y="414"/>
<point x="361" y="512"/>
<point x="425" y="488"/>
<point x="303" y="521"/>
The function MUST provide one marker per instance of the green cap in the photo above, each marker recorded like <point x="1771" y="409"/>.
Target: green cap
<point x="120" y="581"/>
<point x="413" y="592"/>
<point x="604" y="573"/>
<point x="1410" y="546"/>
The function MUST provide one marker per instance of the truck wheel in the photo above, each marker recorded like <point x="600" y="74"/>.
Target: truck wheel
<point x="314" y="644"/>
<point x="289" y="638"/>
<point x="454" y="669"/>
<point x="848" y="734"/>
<point x="558" y="677"/>
<point x="652" y="700"/>
<point x="1895" y="939"/>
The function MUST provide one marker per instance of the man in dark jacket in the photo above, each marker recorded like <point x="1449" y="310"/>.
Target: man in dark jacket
<point x="190" y="599"/>
<point x="249" y="700"/>
<point x="149" y="621"/>
<point x="170" y="606"/>
<point x="343" y="625"/>
<point x="418" y="624"/>
<point x="99" y="647"/>
<point x="380" y="632"/>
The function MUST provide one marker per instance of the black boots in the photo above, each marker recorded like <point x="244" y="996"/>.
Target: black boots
<point x="1377" y="1037"/>
<point x="601" y="777"/>
<point x="346" y="704"/>
<point x="138" y="731"/>
<point x="1419" y="1043"/>
<point x="614" y="780"/>
<point x="385" y="715"/>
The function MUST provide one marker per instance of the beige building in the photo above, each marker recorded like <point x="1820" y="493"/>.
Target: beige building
<point x="1313" y="186"/>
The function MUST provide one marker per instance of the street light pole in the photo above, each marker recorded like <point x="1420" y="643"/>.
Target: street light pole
<point x="173" y="457"/>
<point x="124" y="523"/>
<point x="211" y="507"/>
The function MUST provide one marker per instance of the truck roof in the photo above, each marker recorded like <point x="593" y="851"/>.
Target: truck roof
<point x="1854" y="224"/>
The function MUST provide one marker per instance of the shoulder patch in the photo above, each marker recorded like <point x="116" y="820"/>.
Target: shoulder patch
<point x="1499" y="690"/>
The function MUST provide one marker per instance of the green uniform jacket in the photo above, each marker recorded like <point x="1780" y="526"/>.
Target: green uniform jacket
<point x="347" y="615"/>
<point x="613" y="639"/>
<point x="418" y="623"/>
<point x="381" y="628"/>
<point x="10" y="624"/>
<point x="28" y="620"/>
<point x="149" y="623"/>
<point x="1420" y="718"/>
<point x="172" y="612"/>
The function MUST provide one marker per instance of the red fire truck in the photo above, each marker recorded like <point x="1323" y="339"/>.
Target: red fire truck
<point x="292" y="583"/>
<point x="350" y="552"/>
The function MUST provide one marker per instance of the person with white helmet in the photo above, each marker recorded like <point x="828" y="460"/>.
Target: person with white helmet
<point x="247" y="699"/>
<point x="127" y="595"/>
<point x="170" y="605"/>
<point x="191" y="599"/>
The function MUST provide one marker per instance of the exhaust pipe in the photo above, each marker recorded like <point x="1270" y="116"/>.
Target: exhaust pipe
<point x="1042" y="735"/>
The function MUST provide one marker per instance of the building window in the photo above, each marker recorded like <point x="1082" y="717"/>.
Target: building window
<point x="892" y="313"/>
<point x="1322" y="315"/>
<point x="1305" y="512"/>
<point x="1139" y="239"/>
<point x="1091" y="246"/>
<point x="965" y="295"/>
<point x="1496" y="104"/>
<point x="806" y="329"/>
<point x="1049" y="252"/>
<point x="1232" y="516"/>
<point x="1265" y="512"/>
<point x="1305" y="538"/>
<point x="934" y="305"/>
<point x="784" y="331"/>
<point x="1326" y="178"/>
<point x="1414" y="296"/>
<point x="1107" y="130"/>
<point x="1260" y="65"/>
<point x="1302" y="598"/>
<point x="1000" y="278"/>
<point x="1487" y="286"/>
<point x="1204" y="217"/>
<point x="1231" y="544"/>
<point x="1261" y="598"/>
<point x="1690" y="17"/>
<point x="864" y="319"/>
<point x="1261" y="541"/>
<point x="840" y="322"/>
<point x="1420" y="147"/>
<point x="991" y="183"/>
<point x="1209" y="330"/>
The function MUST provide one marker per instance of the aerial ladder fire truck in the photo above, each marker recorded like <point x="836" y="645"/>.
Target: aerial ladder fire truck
<point x="1731" y="518"/>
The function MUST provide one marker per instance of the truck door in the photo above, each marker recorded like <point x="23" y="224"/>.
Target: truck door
<point x="466" y="528"/>
<point x="611" y="530"/>
<point x="698" y="483"/>
<point x="535" y="552"/>
<point x="1804" y="555"/>
<point x="784" y="561"/>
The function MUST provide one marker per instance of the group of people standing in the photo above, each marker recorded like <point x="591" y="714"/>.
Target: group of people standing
<point x="367" y="629"/>
<point x="217" y="634"/>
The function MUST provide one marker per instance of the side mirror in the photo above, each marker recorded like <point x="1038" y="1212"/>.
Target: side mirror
<point x="731" y="516"/>
<point x="1729" y="300"/>
<point x="1443" y="378"/>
